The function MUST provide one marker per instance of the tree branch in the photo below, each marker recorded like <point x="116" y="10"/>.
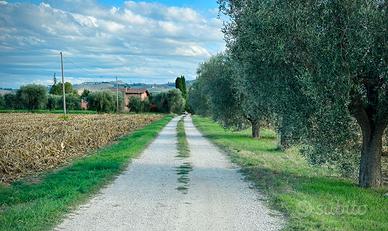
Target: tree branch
<point x="359" y="113"/>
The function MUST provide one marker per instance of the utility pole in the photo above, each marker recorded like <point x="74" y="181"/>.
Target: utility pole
<point x="117" y="95"/>
<point x="63" y="86"/>
<point x="55" y="79"/>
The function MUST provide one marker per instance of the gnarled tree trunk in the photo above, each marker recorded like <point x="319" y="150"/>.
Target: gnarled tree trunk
<point x="370" y="165"/>
<point x="283" y="141"/>
<point x="255" y="129"/>
<point x="372" y="117"/>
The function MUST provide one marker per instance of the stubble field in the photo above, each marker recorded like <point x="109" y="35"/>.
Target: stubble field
<point x="32" y="143"/>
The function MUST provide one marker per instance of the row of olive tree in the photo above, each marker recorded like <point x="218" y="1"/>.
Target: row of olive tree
<point x="33" y="97"/>
<point x="216" y="93"/>
<point x="30" y="97"/>
<point x="316" y="69"/>
<point x="164" y="102"/>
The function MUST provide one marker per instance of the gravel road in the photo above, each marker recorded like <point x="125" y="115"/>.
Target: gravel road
<point x="161" y="191"/>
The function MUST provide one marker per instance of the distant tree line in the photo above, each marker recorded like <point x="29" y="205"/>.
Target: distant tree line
<point x="314" y="71"/>
<point x="37" y="97"/>
<point x="172" y="101"/>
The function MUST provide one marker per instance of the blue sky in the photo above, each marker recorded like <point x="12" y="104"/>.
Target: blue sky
<point x="195" y="4"/>
<point x="138" y="41"/>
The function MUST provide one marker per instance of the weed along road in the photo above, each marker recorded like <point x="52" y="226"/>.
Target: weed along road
<point x="166" y="189"/>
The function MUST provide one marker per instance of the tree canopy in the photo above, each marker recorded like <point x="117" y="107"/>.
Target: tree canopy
<point x="169" y="102"/>
<point x="56" y="89"/>
<point x="180" y="83"/>
<point x="316" y="69"/>
<point x="32" y="96"/>
<point x="104" y="101"/>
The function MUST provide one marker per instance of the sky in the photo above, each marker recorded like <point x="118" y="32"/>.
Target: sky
<point x="137" y="41"/>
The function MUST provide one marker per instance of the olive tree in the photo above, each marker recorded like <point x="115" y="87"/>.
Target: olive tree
<point x="169" y="102"/>
<point x="101" y="101"/>
<point x="218" y="82"/>
<point x="176" y="102"/>
<point x="2" y="102"/>
<point x="137" y="105"/>
<point x="54" y="102"/>
<point x="198" y="102"/>
<point x="328" y="58"/>
<point x="32" y="96"/>
<point x="11" y="101"/>
<point x="57" y="89"/>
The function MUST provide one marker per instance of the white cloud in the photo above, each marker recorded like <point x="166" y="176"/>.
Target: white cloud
<point x="134" y="19"/>
<point x="111" y="26"/>
<point x="192" y="50"/>
<point x="42" y="4"/>
<point x="137" y="40"/>
<point x="88" y="21"/>
<point x="169" y="27"/>
<point x="114" y="10"/>
<point x="182" y="14"/>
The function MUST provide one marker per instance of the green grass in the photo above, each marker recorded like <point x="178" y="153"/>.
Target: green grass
<point x="41" y="204"/>
<point x="312" y="198"/>
<point x="183" y="153"/>
<point x="183" y="146"/>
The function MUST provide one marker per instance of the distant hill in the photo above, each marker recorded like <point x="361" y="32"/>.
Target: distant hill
<point x="4" y="91"/>
<point x="99" y="86"/>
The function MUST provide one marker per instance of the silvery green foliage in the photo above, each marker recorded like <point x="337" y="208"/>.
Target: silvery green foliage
<point x="198" y="102"/>
<point x="176" y="102"/>
<point x="171" y="101"/>
<point x="215" y="81"/>
<point x="312" y="62"/>
<point x="32" y="96"/>
<point x="104" y="101"/>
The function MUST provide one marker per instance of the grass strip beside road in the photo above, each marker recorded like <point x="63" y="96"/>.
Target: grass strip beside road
<point x="186" y="167"/>
<point x="183" y="146"/>
<point x="40" y="205"/>
<point x="312" y="198"/>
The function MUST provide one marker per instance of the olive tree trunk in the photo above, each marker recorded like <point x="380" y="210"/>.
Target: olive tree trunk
<point x="372" y="125"/>
<point x="255" y="129"/>
<point x="370" y="165"/>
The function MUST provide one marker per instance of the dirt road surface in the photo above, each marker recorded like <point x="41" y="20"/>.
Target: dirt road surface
<point x="162" y="191"/>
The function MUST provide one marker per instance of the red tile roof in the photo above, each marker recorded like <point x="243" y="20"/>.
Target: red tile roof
<point x="133" y="90"/>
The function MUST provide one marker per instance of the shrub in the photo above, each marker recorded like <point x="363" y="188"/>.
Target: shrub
<point x="32" y="96"/>
<point x="2" y="102"/>
<point x="101" y="101"/>
<point x="104" y="101"/>
<point x="137" y="105"/>
<point x="54" y="102"/>
<point x="171" y="101"/>
<point x="10" y="101"/>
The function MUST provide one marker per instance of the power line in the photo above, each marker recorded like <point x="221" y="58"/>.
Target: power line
<point x="117" y="95"/>
<point x="63" y="86"/>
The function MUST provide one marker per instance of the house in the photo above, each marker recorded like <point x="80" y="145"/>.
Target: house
<point x="141" y="93"/>
<point x="84" y="105"/>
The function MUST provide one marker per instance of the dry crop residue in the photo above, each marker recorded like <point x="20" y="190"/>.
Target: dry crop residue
<point x="31" y="143"/>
